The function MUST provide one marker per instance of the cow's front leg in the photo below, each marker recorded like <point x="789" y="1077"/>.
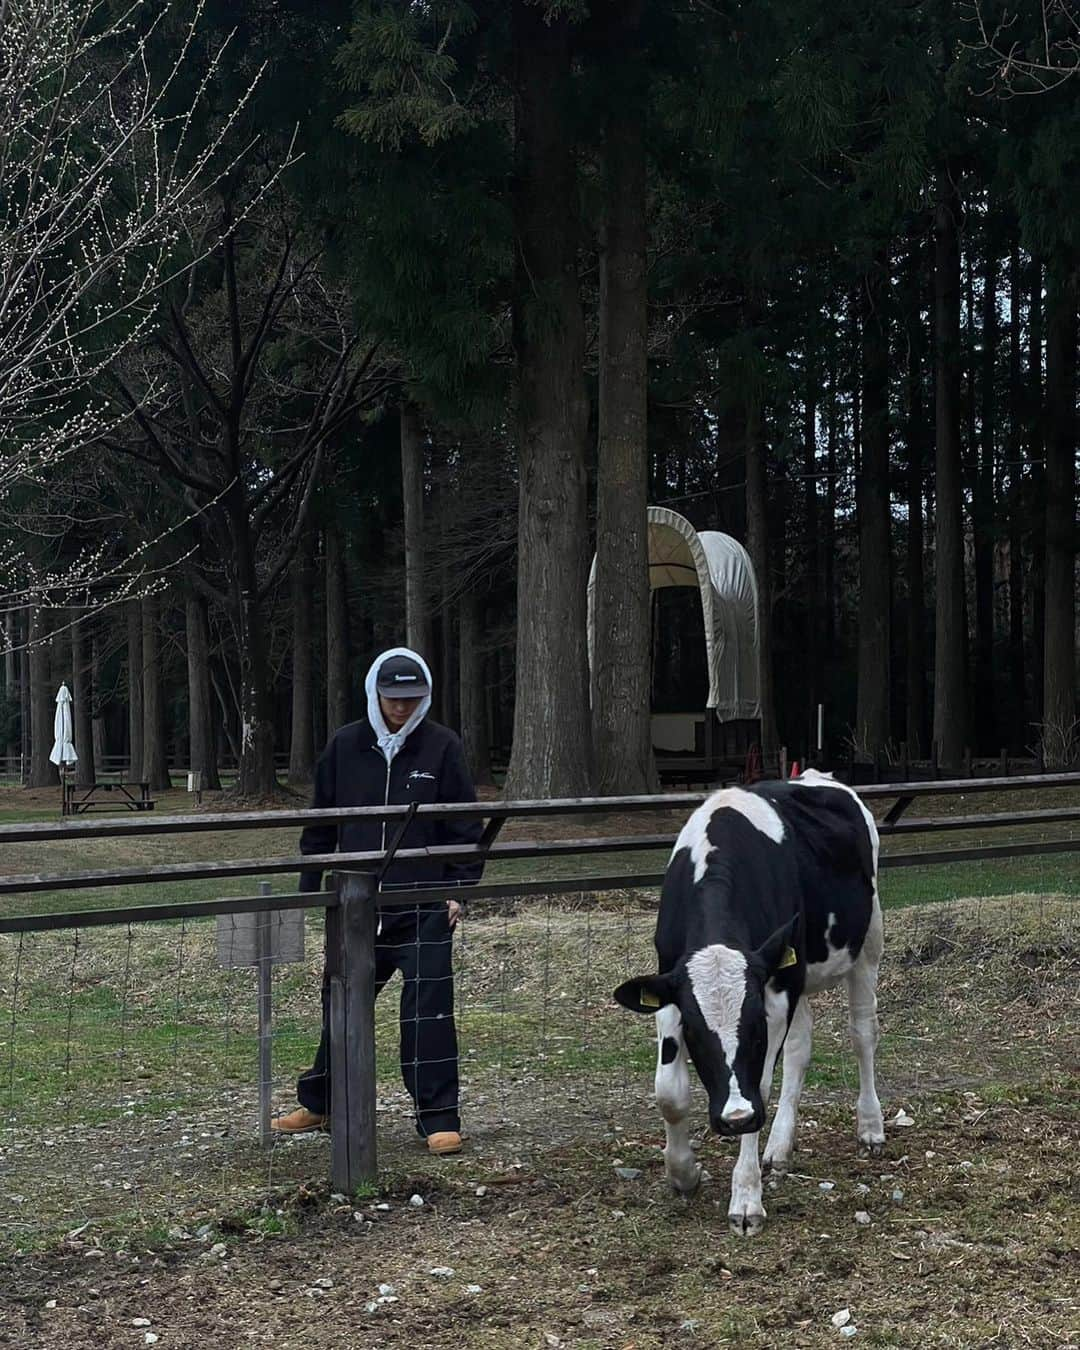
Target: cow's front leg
<point x="681" y="1168"/>
<point x="746" y="1212"/>
<point x="781" y="1143"/>
<point x="863" y="1023"/>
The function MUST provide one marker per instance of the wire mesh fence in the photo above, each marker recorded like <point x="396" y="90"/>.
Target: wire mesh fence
<point x="129" y="1059"/>
<point x="129" y="1055"/>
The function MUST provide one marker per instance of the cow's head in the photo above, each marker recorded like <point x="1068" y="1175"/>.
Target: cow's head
<point x="720" y="994"/>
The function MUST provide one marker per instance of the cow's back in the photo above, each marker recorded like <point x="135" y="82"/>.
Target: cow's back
<point x="766" y="852"/>
<point x="835" y="845"/>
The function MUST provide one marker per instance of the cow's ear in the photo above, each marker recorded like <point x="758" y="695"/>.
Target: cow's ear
<point x="646" y="993"/>
<point x="779" y="950"/>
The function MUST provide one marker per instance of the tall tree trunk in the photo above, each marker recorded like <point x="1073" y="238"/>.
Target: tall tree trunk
<point x="950" y="715"/>
<point x="450" y="702"/>
<point x="1037" y="507"/>
<point x="474" y="716"/>
<point x="42" y="704"/>
<point x="155" y="748"/>
<point x="201" y="739"/>
<point x="622" y="725"/>
<point x="302" y="739"/>
<point x="82" y="694"/>
<point x="135" y="690"/>
<point x="872" y="503"/>
<point x="828" y="533"/>
<point x="1016" y="505"/>
<point x="98" y="731"/>
<point x="983" y="515"/>
<point x="550" y="756"/>
<point x="418" y="626"/>
<point x="915" y="725"/>
<point x="757" y="541"/>
<point x="25" y="700"/>
<point x="811" y="547"/>
<point x="11" y="679"/>
<point x="257" y="776"/>
<point x="1059" y="666"/>
<point x="337" y="634"/>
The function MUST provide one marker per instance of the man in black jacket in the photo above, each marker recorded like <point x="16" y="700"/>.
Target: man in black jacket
<point x="397" y="756"/>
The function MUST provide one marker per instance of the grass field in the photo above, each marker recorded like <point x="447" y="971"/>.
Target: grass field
<point x="128" y="1143"/>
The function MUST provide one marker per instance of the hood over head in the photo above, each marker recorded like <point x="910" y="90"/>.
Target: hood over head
<point x="390" y="742"/>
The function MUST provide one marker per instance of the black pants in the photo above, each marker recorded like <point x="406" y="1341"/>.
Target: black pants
<point x="419" y="945"/>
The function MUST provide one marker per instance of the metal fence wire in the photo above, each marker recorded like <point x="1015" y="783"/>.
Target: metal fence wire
<point x="135" y="1069"/>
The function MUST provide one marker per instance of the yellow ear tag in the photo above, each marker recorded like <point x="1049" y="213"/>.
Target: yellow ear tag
<point x="788" y="959"/>
<point x="648" y="999"/>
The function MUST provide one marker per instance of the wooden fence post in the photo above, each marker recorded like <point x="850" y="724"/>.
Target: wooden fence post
<point x="350" y="963"/>
<point x="264" y="976"/>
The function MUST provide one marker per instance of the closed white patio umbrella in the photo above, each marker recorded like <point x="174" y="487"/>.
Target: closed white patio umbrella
<point x="63" y="751"/>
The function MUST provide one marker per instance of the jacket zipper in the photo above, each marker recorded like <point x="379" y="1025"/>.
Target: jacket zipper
<point x="386" y="802"/>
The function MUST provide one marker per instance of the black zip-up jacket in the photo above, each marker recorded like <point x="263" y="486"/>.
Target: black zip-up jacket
<point x="429" y="767"/>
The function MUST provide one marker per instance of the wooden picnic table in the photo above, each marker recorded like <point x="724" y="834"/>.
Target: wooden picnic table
<point x="130" y="796"/>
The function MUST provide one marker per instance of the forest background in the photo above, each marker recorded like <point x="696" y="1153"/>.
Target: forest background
<point x="450" y="292"/>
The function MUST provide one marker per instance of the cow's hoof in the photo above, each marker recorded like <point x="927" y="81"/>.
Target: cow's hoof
<point x="871" y="1148"/>
<point x="747" y="1225"/>
<point x="687" y="1183"/>
<point x="776" y="1166"/>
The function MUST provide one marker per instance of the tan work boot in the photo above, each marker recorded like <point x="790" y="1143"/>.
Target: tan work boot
<point x="443" y="1142"/>
<point x="300" y="1121"/>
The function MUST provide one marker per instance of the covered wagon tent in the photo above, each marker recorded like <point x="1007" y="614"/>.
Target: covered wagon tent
<point x="720" y="569"/>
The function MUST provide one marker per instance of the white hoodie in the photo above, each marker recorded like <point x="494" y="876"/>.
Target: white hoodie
<point x="390" y="742"/>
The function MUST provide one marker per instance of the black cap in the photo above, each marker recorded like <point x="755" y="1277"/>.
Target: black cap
<point x="402" y="677"/>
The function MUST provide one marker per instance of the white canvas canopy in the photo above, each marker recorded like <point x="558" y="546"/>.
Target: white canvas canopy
<point x="720" y="568"/>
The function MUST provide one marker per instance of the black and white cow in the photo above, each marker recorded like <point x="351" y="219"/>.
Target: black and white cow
<point x="770" y="895"/>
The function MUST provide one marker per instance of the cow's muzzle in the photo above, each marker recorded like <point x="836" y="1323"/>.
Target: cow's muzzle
<point x="734" y="1120"/>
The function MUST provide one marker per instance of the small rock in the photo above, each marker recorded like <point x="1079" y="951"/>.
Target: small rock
<point x="551" y="1339"/>
<point x="275" y="1286"/>
<point x="628" y="1173"/>
<point x="151" y="1338"/>
<point x="689" y="1324"/>
<point x="849" y="1330"/>
<point x="416" y="1201"/>
<point x="481" y="1191"/>
<point x="51" y="1303"/>
<point x="141" y="1322"/>
<point x="337" y="1197"/>
<point x="618" y="1214"/>
<point x="383" y="1207"/>
<point x="473" y="1289"/>
<point x="862" y="1188"/>
<point x="861" y="1216"/>
<point x="385" y="1290"/>
<point x="325" y="1282"/>
<point x="219" y="1250"/>
<point x="902" y="1118"/>
<point x="842" y="1317"/>
<point x="930" y="1154"/>
<point x="826" y="1186"/>
<point x="442" y="1272"/>
<point x="966" y="1164"/>
<point x="898" y="1196"/>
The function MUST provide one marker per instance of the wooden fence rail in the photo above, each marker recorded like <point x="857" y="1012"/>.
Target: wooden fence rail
<point x="354" y="894"/>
